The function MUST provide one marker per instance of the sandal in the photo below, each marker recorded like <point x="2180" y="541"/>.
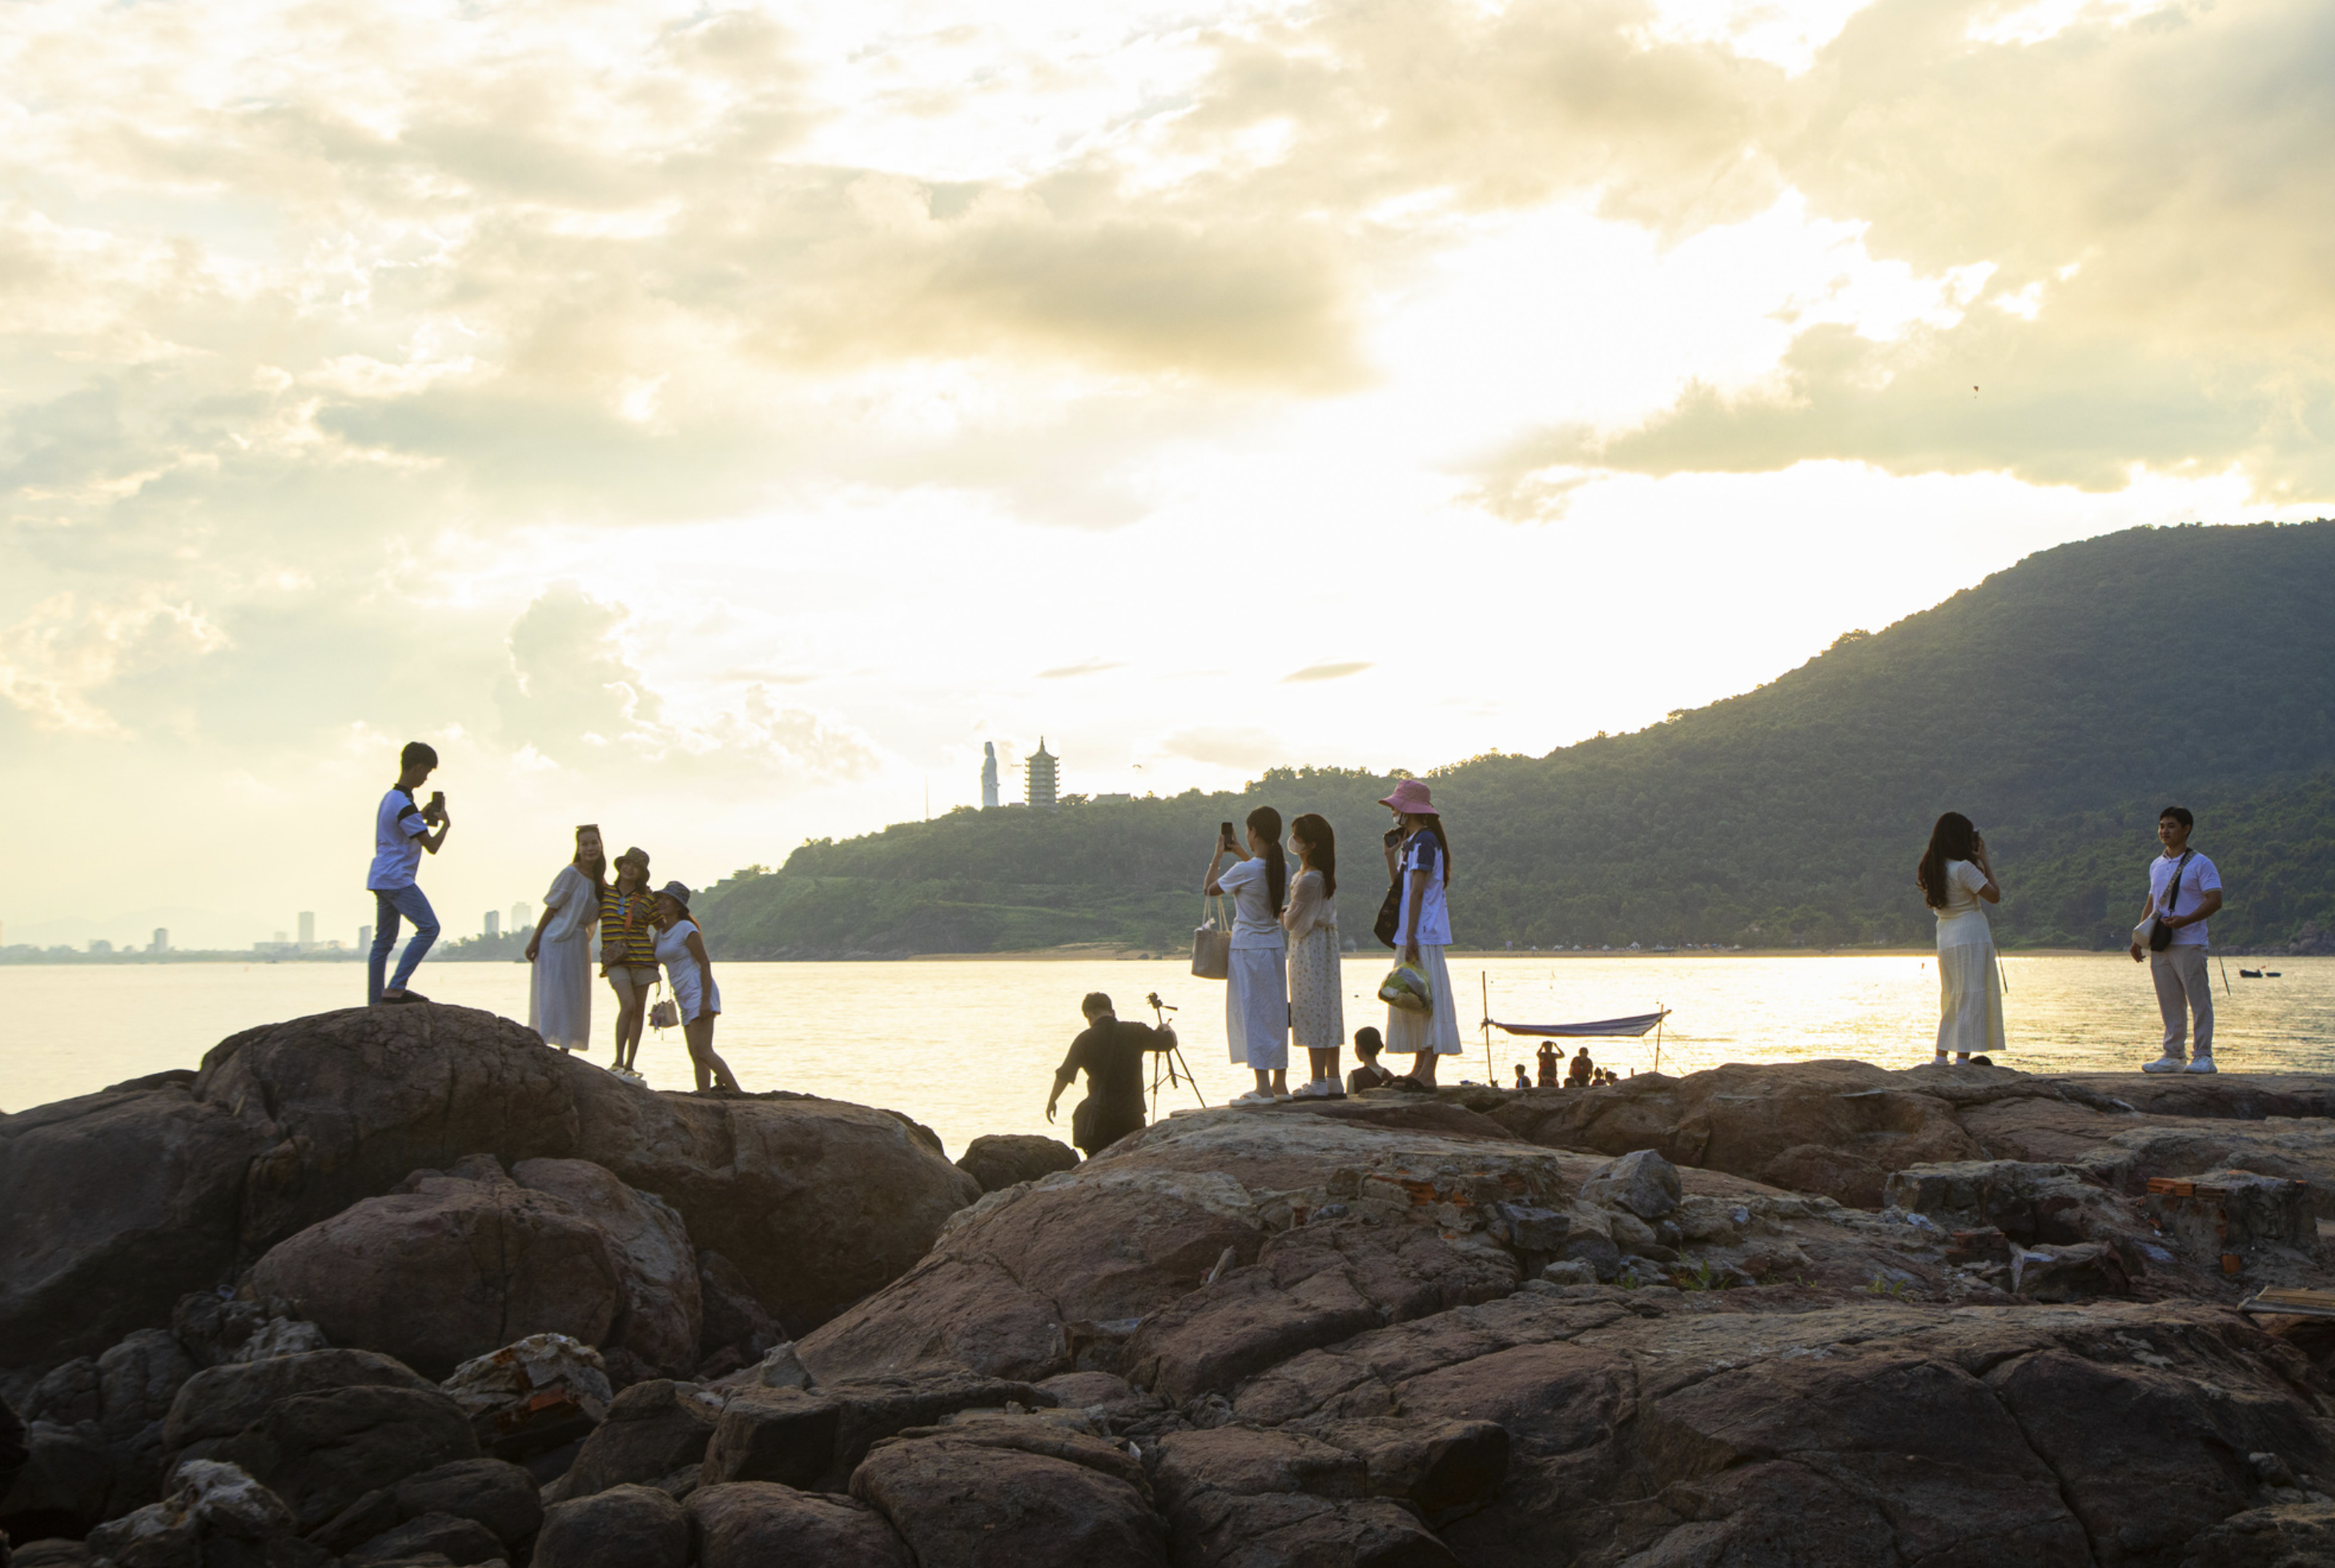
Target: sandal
<point x="402" y="998"/>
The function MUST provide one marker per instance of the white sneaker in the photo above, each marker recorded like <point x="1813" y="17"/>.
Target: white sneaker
<point x="2168" y="1062"/>
<point x="1254" y="1096"/>
<point x="2199" y="1064"/>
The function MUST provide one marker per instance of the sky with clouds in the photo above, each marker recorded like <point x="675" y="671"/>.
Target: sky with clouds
<point x="717" y="422"/>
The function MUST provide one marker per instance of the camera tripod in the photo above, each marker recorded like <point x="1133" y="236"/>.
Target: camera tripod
<point x="1169" y="1060"/>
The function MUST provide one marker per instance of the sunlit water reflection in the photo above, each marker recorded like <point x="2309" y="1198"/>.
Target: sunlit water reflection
<point x="969" y="1047"/>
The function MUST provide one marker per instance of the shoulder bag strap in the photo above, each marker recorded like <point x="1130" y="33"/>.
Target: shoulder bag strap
<point x="2173" y="889"/>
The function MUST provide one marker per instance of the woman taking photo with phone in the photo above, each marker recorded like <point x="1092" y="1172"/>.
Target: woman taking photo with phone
<point x="559" y="991"/>
<point x="1953" y="876"/>
<point x="1317" y="1009"/>
<point x="682" y="950"/>
<point x="1420" y="863"/>
<point x="1256" y="987"/>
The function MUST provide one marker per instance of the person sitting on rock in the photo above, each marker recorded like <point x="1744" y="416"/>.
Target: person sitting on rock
<point x="1368" y="1043"/>
<point x="1547" y="1059"/>
<point x="1522" y="1080"/>
<point x="1111" y="1055"/>
<point x="1583" y="1072"/>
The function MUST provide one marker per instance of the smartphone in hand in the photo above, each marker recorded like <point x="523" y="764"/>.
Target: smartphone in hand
<point x="1225" y="836"/>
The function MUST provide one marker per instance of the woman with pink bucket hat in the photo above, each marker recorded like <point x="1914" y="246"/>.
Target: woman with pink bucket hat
<point x="1422" y="863"/>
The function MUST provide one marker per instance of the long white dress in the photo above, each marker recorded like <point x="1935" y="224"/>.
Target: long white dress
<point x="1257" y="985"/>
<point x="1969" y="985"/>
<point x="559" y="996"/>
<point x="1317" y="1005"/>
<point x="1437" y="1031"/>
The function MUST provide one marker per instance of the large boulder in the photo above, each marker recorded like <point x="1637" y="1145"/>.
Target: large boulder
<point x="622" y="1528"/>
<point x="817" y="1438"/>
<point x="998" y="1160"/>
<point x="1046" y="1277"/>
<point x="653" y="1429"/>
<point x="219" y="1402"/>
<point x="118" y="1202"/>
<point x="749" y="1524"/>
<point x="451" y="1269"/>
<point x="1012" y="1491"/>
<point x="659" y="1306"/>
<point x="321" y="1452"/>
<point x="1831" y="1128"/>
<point x="123" y="1202"/>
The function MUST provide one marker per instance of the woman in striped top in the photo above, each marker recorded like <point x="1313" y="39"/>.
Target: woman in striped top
<point x="628" y="950"/>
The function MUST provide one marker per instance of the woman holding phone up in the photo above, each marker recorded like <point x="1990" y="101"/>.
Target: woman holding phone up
<point x="1955" y="874"/>
<point x="1420" y="861"/>
<point x="1256" y="987"/>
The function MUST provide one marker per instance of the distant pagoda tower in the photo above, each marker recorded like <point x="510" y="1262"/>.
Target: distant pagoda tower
<point x="1038" y="778"/>
<point x="989" y="775"/>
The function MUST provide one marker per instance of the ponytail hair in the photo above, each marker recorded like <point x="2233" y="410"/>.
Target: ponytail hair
<point x="1265" y="823"/>
<point x="1312" y="831"/>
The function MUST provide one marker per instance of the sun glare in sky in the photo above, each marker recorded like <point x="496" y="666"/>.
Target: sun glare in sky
<point x="718" y="422"/>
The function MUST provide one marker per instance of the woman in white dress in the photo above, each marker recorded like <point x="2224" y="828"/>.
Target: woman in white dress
<point x="1421" y="862"/>
<point x="559" y="992"/>
<point x="1954" y="874"/>
<point x="1317" y="1008"/>
<point x="682" y="950"/>
<point x="1256" y="987"/>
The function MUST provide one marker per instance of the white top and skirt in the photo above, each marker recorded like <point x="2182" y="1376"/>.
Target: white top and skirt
<point x="1969" y="985"/>
<point x="681" y="972"/>
<point x="1434" y="1031"/>
<point x="559" y="992"/>
<point x="1256" y="987"/>
<point x="1317" y="1008"/>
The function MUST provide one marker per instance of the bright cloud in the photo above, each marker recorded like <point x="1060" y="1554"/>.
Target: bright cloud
<point x="728" y="419"/>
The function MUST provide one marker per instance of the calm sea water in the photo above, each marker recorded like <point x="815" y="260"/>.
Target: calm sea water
<point x="970" y="1047"/>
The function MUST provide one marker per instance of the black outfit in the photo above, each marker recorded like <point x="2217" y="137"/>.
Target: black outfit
<point x="1110" y="1053"/>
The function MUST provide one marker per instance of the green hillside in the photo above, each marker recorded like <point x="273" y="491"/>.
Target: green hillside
<point x="2059" y="703"/>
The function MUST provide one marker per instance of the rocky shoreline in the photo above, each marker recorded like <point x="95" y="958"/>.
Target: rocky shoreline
<point x="401" y="1286"/>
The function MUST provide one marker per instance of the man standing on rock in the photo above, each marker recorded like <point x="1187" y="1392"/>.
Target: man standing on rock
<point x="1111" y="1054"/>
<point x="401" y="832"/>
<point x="2184" y="888"/>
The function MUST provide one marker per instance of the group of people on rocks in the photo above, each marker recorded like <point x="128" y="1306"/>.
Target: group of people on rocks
<point x="1284" y="978"/>
<point x="1957" y="879"/>
<point x="643" y="932"/>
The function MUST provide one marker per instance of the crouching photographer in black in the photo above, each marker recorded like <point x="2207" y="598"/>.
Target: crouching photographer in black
<point x="1111" y="1055"/>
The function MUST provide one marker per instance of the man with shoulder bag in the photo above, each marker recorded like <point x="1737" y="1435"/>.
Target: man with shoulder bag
<point x="2184" y="890"/>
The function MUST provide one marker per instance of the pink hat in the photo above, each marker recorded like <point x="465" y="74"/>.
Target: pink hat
<point x="1410" y="797"/>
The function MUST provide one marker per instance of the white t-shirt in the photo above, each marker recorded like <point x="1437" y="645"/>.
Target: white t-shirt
<point x="1255" y="923"/>
<point x="397" y="831"/>
<point x="2197" y="878"/>
<point x="1421" y="852"/>
<point x="1961" y="921"/>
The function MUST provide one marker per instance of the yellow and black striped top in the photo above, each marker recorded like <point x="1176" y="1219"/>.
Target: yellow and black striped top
<point x="624" y="925"/>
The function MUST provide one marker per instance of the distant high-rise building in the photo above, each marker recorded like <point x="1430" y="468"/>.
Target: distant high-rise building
<point x="98" y="945"/>
<point x="494" y="923"/>
<point x="521" y="913"/>
<point x="161" y="940"/>
<point x="307" y="928"/>
<point x="1038" y="778"/>
<point x="989" y="775"/>
<point x="364" y="938"/>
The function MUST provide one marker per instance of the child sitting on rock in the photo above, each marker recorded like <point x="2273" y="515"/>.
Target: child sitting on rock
<point x="1368" y="1043"/>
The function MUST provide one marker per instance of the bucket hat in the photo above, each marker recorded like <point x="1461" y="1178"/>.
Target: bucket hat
<point x="675" y="891"/>
<point x="1410" y="799"/>
<point x="638" y="857"/>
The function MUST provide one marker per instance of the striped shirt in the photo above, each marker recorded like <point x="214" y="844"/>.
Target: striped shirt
<point x="624" y="925"/>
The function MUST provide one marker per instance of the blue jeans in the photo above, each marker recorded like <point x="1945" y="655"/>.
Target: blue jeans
<point x="386" y="907"/>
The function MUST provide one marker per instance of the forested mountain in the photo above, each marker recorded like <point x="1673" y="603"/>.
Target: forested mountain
<point x="2059" y="703"/>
